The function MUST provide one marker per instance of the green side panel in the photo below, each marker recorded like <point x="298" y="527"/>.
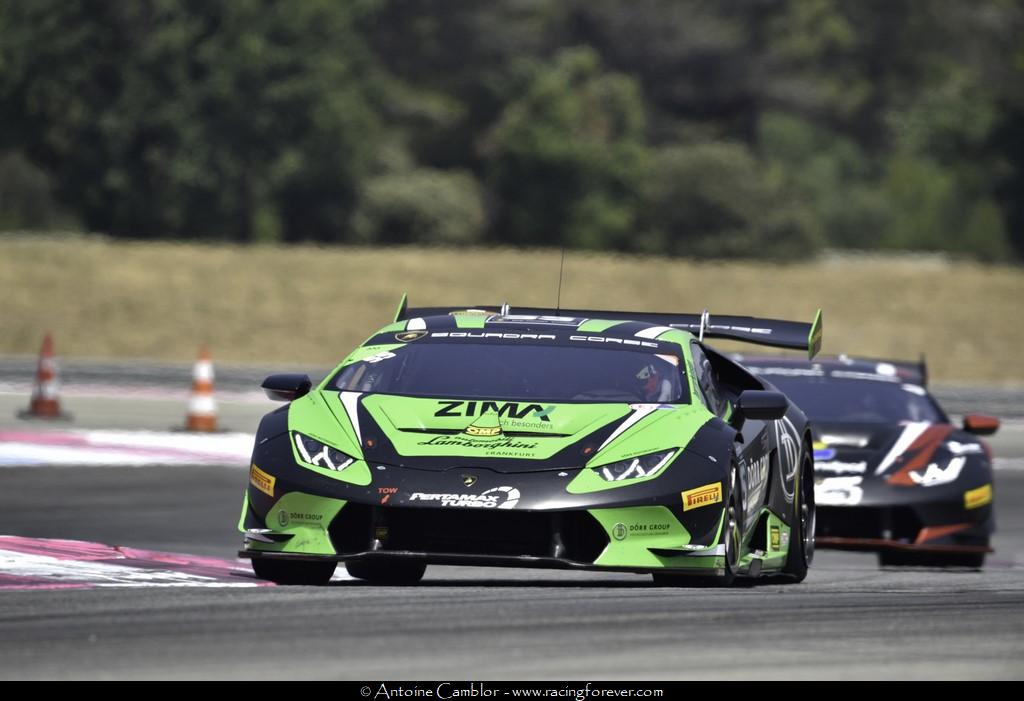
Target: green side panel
<point x="470" y="321"/>
<point x="245" y="508"/>
<point x="662" y="429"/>
<point x="408" y="420"/>
<point x="814" y="338"/>
<point x="306" y="518"/>
<point x="402" y="305"/>
<point x="392" y="328"/>
<point x="597" y="325"/>
<point x="632" y="531"/>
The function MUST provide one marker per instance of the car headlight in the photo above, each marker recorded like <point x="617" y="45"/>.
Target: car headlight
<point x="316" y="453"/>
<point x="643" y="466"/>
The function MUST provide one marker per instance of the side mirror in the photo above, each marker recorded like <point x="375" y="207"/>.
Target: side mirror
<point x="762" y="405"/>
<point x="286" y="387"/>
<point x="980" y="424"/>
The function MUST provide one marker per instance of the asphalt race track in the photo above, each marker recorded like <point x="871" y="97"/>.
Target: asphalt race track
<point x="850" y="619"/>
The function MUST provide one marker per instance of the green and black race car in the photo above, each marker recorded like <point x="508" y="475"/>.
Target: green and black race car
<point x="536" y="438"/>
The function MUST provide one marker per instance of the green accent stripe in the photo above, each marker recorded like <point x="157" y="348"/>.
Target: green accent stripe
<point x="597" y="325"/>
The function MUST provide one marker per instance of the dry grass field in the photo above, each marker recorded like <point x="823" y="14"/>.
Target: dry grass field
<point x="161" y="300"/>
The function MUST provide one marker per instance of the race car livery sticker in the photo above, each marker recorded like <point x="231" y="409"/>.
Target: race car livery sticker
<point x="935" y="475"/>
<point x="385" y="493"/>
<point x="513" y="410"/>
<point x="702" y="496"/>
<point x="776" y="538"/>
<point x="494" y="498"/>
<point x="497" y="335"/>
<point x="838" y="491"/>
<point x="839" y="468"/>
<point x="532" y="319"/>
<point x="261" y="480"/>
<point x="976" y="498"/>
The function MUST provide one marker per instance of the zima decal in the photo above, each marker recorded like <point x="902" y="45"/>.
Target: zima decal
<point x="513" y="410"/>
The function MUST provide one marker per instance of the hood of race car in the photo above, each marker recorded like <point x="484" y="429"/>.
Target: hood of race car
<point x="506" y="436"/>
<point x="904" y="454"/>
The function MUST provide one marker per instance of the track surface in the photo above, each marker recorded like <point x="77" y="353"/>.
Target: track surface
<point x="848" y="620"/>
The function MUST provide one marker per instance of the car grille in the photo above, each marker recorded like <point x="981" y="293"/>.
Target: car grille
<point x="573" y="536"/>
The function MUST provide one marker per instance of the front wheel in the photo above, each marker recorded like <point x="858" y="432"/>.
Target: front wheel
<point x="294" y="572"/>
<point x="801" y="544"/>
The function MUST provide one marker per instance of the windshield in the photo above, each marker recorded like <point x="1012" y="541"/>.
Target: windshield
<point x="855" y="401"/>
<point x="517" y="372"/>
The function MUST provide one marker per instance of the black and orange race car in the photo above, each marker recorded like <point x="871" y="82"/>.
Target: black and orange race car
<point x="893" y="474"/>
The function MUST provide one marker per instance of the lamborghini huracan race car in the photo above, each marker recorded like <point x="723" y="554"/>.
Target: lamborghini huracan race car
<point x="892" y="473"/>
<point x="536" y="438"/>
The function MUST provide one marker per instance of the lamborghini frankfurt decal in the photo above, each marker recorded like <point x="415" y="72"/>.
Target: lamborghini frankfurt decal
<point x="702" y="496"/>
<point x="261" y="480"/>
<point x="976" y="498"/>
<point x="838" y="491"/>
<point x="496" y="498"/>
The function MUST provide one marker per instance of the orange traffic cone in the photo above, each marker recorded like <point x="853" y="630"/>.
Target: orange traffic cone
<point x="202" y="407"/>
<point x="45" y="403"/>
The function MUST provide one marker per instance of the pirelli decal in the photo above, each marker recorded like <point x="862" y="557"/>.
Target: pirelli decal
<point x="261" y="480"/>
<point x="702" y="496"/>
<point x="976" y="498"/>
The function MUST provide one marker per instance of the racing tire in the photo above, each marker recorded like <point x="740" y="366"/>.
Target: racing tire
<point x="294" y="572"/>
<point x="801" y="544"/>
<point x="899" y="558"/>
<point x="732" y="541"/>
<point x="387" y="572"/>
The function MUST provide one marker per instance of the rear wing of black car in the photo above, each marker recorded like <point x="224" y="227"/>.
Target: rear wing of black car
<point x="776" y="333"/>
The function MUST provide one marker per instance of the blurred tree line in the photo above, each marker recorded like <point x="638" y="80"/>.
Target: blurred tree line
<point x="705" y="128"/>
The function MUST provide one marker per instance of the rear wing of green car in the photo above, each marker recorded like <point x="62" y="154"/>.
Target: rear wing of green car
<point x="776" y="333"/>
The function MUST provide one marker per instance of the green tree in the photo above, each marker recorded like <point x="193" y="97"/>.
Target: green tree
<point x="565" y="157"/>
